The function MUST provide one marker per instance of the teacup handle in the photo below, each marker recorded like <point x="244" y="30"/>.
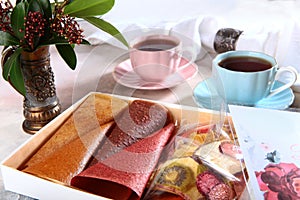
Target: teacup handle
<point x="190" y="60"/>
<point x="176" y="76"/>
<point x="287" y="85"/>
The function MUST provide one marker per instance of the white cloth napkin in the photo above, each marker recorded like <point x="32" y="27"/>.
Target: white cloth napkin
<point x="280" y="39"/>
<point x="187" y="30"/>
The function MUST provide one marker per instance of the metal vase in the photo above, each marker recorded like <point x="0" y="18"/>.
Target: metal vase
<point x="41" y="104"/>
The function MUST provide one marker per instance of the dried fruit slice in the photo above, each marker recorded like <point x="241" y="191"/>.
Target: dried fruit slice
<point x="176" y="175"/>
<point x="220" y="192"/>
<point x="230" y="149"/>
<point x="206" y="181"/>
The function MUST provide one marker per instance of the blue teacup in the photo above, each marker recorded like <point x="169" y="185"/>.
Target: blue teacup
<point x="248" y="76"/>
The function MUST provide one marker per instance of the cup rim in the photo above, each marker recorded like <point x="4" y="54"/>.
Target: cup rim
<point x="154" y="36"/>
<point x="238" y="53"/>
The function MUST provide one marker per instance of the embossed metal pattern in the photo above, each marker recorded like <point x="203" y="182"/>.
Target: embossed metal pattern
<point x="41" y="104"/>
<point x="39" y="78"/>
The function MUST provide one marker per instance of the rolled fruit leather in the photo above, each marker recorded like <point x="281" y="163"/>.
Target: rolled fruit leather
<point x="124" y="163"/>
<point x="139" y="120"/>
<point x="68" y="150"/>
<point x="125" y="175"/>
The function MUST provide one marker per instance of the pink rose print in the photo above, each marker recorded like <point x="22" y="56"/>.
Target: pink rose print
<point x="280" y="181"/>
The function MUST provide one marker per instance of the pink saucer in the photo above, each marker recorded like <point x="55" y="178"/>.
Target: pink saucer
<point x="124" y="75"/>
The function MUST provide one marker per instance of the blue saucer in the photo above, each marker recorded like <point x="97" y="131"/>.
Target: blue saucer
<point x="206" y="96"/>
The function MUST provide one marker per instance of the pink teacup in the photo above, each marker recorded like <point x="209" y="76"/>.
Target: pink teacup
<point x="155" y="57"/>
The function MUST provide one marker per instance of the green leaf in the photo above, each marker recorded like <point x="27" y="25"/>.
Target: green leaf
<point x="88" y="8"/>
<point x="11" y="61"/>
<point x="68" y="54"/>
<point x="16" y="78"/>
<point x="12" y="72"/>
<point x="46" y="6"/>
<point x="35" y="6"/>
<point x="7" y="39"/>
<point x="60" y="40"/>
<point x="17" y="20"/>
<point x="85" y="42"/>
<point x="108" y="28"/>
<point x="55" y="40"/>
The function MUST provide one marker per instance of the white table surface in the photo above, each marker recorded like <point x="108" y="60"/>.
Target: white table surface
<point x="95" y="63"/>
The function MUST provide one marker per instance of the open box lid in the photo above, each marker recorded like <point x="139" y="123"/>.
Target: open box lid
<point x="270" y="141"/>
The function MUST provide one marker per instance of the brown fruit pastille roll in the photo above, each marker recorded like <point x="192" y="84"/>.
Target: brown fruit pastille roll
<point x="67" y="152"/>
<point x="70" y="159"/>
<point x="139" y="120"/>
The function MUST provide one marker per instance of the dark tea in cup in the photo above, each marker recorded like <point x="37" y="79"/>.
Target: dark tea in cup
<point x="155" y="45"/>
<point x="245" y="64"/>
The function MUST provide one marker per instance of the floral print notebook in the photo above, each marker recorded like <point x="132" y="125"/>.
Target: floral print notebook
<point x="270" y="142"/>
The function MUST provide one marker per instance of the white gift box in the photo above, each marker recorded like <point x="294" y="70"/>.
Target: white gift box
<point x="39" y="188"/>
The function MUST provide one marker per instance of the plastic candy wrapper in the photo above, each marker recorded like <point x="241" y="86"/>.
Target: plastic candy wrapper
<point x="202" y="163"/>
